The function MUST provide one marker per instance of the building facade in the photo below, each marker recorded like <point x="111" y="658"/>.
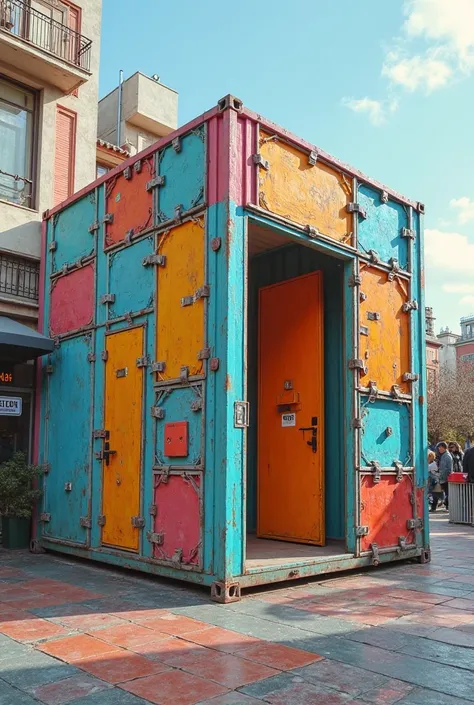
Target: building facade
<point x="433" y="347"/>
<point x="465" y="344"/>
<point x="447" y="353"/>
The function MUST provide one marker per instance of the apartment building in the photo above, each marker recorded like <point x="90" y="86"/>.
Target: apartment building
<point x="465" y="344"/>
<point x="433" y="347"/>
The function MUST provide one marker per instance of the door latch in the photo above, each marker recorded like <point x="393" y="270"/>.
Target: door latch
<point x="314" y="434"/>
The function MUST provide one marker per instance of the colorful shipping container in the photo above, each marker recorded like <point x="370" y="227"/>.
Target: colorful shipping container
<point x="237" y="392"/>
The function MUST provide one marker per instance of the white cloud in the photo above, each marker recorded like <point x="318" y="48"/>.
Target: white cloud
<point x="449" y="251"/>
<point x="465" y="209"/>
<point x="467" y="301"/>
<point x="458" y="288"/>
<point x="418" y="72"/>
<point x="377" y="110"/>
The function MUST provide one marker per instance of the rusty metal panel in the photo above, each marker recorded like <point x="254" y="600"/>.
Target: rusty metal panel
<point x="315" y="195"/>
<point x="182" y="167"/>
<point x="385" y="432"/>
<point x="384" y="329"/>
<point x="181" y="300"/>
<point x="177" y="404"/>
<point x="383" y="226"/>
<point x="178" y="522"/>
<point x="72" y="301"/>
<point x="72" y="232"/>
<point x="386" y="508"/>
<point x="67" y="446"/>
<point x="129" y="203"/>
<point x="130" y="282"/>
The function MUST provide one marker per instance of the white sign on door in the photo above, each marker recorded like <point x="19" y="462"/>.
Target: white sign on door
<point x="11" y="406"/>
<point x="288" y="420"/>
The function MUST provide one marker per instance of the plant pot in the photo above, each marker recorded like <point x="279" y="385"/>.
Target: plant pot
<point x="16" y="532"/>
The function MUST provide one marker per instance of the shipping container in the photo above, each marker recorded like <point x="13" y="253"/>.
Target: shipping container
<point x="237" y="390"/>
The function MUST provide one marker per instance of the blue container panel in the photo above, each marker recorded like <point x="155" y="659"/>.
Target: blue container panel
<point x="68" y="440"/>
<point x="71" y="231"/>
<point x="385" y="432"/>
<point x="184" y="173"/>
<point x="382" y="229"/>
<point x="130" y="281"/>
<point x="181" y="404"/>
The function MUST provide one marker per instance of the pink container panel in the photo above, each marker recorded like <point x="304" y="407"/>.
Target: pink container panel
<point x="178" y="522"/>
<point x="72" y="301"/>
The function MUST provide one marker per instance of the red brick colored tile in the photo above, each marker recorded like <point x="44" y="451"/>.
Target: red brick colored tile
<point x="174" y="625"/>
<point x="140" y="615"/>
<point x="171" y="651"/>
<point x="418" y="596"/>
<point x="37" y="601"/>
<point x="276" y="656"/>
<point x="389" y="694"/>
<point x="121" y="666"/>
<point x="86" y="621"/>
<point x="31" y="629"/>
<point x="47" y="586"/>
<point x="222" y="639"/>
<point x="64" y="691"/>
<point x="174" y="688"/>
<point x="75" y="648"/>
<point x="227" y="669"/>
<point x="12" y="594"/>
<point x="127" y="635"/>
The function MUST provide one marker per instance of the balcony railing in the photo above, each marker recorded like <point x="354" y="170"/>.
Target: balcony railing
<point x="19" y="277"/>
<point x="21" y="20"/>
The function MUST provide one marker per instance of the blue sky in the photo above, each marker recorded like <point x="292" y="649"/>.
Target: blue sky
<point x="386" y="85"/>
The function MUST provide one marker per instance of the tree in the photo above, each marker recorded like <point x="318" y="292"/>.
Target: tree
<point x="451" y="405"/>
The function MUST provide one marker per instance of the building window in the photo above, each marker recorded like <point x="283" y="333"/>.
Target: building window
<point x="467" y="358"/>
<point x="65" y="154"/>
<point x="101" y="170"/>
<point x="17" y="122"/>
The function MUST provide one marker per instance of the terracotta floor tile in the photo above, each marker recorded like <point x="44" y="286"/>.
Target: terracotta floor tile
<point x="141" y="615"/>
<point x="37" y="601"/>
<point x="419" y="596"/>
<point x="171" y="651"/>
<point x="62" y="692"/>
<point x="127" y="635"/>
<point x="31" y="629"/>
<point x="227" y="669"/>
<point x="121" y="666"/>
<point x="12" y="593"/>
<point x="94" y="620"/>
<point x="174" y="688"/>
<point x="75" y="648"/>
<point x="222" y="639"/>
<point x="47" y="586"/>
<point x="175" y="625"/>
<point x="277" y="656"/>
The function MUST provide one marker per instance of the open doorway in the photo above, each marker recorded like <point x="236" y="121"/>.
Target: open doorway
<point x="295" y="459"/>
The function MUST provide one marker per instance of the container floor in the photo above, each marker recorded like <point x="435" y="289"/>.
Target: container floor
<point x="265" y="552"/>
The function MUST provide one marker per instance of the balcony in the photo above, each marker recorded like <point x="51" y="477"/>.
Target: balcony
<point x="42" y="47"/>
<point x="19" y="278"/>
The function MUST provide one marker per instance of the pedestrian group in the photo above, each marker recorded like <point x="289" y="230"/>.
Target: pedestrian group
<point x="444" y="459"/>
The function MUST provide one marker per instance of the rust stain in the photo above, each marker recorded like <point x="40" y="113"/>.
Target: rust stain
<point x="228" y="383"/>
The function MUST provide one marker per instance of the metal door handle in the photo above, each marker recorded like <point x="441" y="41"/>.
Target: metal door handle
<point x="314" y="437"/>
<point x="106" y="453"/>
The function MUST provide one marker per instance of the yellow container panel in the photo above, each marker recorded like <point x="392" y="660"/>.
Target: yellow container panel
<point x="305" y="194"/>
<point x="384" y="329"/>
<point x="181" y="300"/>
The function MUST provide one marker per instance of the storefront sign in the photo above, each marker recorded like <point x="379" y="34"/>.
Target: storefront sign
<point x="10" y="406"/>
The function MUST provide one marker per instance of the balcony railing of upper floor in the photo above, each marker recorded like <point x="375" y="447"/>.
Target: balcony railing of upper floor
<point x="23" y="21"/>
<point x="19" y="277"/>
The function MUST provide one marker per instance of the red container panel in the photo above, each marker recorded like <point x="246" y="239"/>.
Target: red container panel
<point x="386" y="507"/>
<point x="129" y="202"/>
<point x="178" y="503"/>
<point x="72" y="301"/>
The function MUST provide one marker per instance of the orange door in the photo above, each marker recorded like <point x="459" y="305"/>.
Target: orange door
<point x="291" y="461"/>
<point x="123" y="421"/>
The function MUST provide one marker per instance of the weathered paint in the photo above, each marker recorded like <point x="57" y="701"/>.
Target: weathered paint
<point x="71" y="232"/>
<point x="180" y="328"/>
<point x="184" y="175"/>
<point x="178" y="501"/>
<point x="381" y="229"/>
<point x="67" y="440"/>
<point x="309" y="195"/>
<point x="130" y="281"/>
<point x="181" y="404"/>
<point x="385" y="341"/>
<point x="386" y="507"/>
<point x="129" y="202"/>
<point x="291" y="472"/>
<point x="123" y="421"/>
<point x="72" y="301"/>
<point x="385" y="432"/>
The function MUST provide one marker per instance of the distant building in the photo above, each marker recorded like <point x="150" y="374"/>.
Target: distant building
<point x="447" y="353"/>
<point x="465" y="344"/>
<point x="433" y="347"/>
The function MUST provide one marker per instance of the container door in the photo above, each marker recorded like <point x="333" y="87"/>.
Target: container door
<point x="122" y="447"/>
<point x="290" y="412"/>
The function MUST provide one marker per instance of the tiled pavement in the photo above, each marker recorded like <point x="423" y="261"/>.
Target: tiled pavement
<point x="74" y="632"/>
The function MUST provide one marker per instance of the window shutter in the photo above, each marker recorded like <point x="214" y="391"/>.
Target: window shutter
<point x="64" y="156"/>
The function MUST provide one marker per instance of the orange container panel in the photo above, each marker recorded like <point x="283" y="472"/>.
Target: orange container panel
<point x="306" y="194"/>
<point x="385" y="508"/>
<point x="384" y="329"/>
<point x="129" y="202"/>
<point x="181" y="300"/>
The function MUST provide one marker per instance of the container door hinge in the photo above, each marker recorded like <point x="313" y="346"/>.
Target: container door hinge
<point x="375" y="553"/>
<point x="362" y="530"/>
<point x="358" y="364"/>
<point x="138" y="522"/>
<point x="313" y="157"/>
<point x="357" y="422"/>
<point x="373" y="390"/>
<point x="183" y="373"/>
<point x="354" y="280"/>
<point x="108" y="218"/>
<point x="356" y="208"/>
<point x="137" y="167"/>
<point x="384" y="197"/>
<point x="157" y="412"/>
<point x="415" y="524"/>
<point x="153" y="510"/>
<point x="410" y="306"/>
<point x="127" y="173"/>
<point x="395" y="268"/>
<point x="196" y="405"/>
<point x="90" y="357"/>
<point x="204" y="354"/>
<point x="408" y="233"/>
<point x="374" y="256"/>
<point x="153" y="183"/>
<point x="101" y="520"/>
<point x="142" y="361"/>
<point x="177" y="556"/>
<point x="155" y="538"/>
<point x="85" y="522"/>
<point x="399" y="468"/>
<point x="53" y="246"/>
<point x="176" y="144"/>
<point x="100" y="433"/>
<point x="396" y="392"/>
<point x="104" y="355"/>
<point x="94" y="227"/>
<point x="376" y="470"/>
<point x="402" y="543"/>
<point x="45" y="517"/>
<point x="158" y="366"/>
<point x="159" y="260"/>
<point x="410" y="377"/>
<point x="260" y="161"/>
<point x="202" y="293"/>
<point x="364" y="330"/>
<point x="373" y="316"/>
<point x="107" y="299"/>
<point x="311" y="231"/>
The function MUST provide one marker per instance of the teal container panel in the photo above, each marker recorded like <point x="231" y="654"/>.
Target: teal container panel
<point x="184" y="174"/>
<point x="180" y="404"/>
<point x="270" y="268"/>
<point x="130" y="281"/>
<point x="385" y="432"/>
<point x="381" y="230"/>
<point x="71" y="231"/>
<point x="67" y="446"/>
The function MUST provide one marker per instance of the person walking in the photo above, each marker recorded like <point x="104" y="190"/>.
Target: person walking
<point x="457" y="455"/>
<point x="435" y="493"/>
<point x="468" y="464"/>
<point x="445" y="465"/>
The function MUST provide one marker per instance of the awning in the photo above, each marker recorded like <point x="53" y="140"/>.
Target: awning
<point x="18" y="343"/>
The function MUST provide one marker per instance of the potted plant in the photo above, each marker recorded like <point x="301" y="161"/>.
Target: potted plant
<point x="18" y="495"/>
<point x="7" y="20"/>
